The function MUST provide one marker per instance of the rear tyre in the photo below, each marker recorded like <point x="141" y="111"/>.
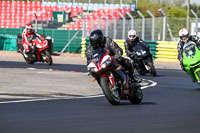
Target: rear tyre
<point x="137" y="96"/>
<point x="111" y="94"/>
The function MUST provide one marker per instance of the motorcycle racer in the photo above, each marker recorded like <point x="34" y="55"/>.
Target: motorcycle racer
<point x="28" y="35"/>
<point x="131" y="42"/>
<point x="185" y="37"/>
<point x="98" y="40"/>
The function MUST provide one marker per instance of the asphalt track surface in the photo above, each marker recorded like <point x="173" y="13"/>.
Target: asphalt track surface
<point x="172" y="106"/>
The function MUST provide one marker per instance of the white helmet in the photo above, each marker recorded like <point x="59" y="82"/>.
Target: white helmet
<point x="132" y="34"/>
<point x="184" y="34"/>
<point x="29" y="28"/>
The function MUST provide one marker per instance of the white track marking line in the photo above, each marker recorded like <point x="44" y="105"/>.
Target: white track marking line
<point x="30" y="68"/>
<point x="153" y="84"/>
<point x="46" y="99"/>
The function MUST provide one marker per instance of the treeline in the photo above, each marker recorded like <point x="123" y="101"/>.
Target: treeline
<point x="173" y="8"/>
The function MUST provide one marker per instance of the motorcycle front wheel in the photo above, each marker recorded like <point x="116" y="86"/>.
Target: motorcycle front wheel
<point x="28" y="61"/>
<point x="110" y="92"/>
<point x="46" y="56"/>
<point x="152" y="69"/>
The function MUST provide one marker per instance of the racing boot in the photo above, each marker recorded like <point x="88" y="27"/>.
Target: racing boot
<point x="137" y="79"/>
<point x="133" y="77"/>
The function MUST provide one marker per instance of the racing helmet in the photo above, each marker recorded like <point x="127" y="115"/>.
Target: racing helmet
<point x="29" y="28"/>
<point x="184" y="34"/>
<point x="132" y="35"/>
<point x="96" y="39"/>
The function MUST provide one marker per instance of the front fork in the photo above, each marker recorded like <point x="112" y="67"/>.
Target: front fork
<point x="145" y="62"/>
<point x="111" y="79"/>
<point x="125" y="82"/>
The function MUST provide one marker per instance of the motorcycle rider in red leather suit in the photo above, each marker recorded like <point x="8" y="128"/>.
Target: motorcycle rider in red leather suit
<point x="27" y="36"/>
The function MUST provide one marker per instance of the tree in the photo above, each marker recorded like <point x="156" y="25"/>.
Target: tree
<point x="177" y="12"/>
<point x="195" y="8"/>
<point x="173" y="8"/>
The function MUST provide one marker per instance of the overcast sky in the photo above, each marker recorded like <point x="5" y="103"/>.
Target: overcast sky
<point x="195" y="1"/>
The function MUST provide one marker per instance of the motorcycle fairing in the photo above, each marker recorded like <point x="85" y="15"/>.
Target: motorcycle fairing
<point x="191" y="60"/>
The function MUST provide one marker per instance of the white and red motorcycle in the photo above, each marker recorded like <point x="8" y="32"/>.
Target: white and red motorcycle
<point x="113" y="79"/>
<point x="38" y="52"/>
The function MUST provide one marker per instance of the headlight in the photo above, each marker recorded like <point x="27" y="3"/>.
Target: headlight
<point x="108" y="61"/>
<point x="138" y="53"/>
<point x="103" y="65"/>
<point x="93" y="69"/>
<point x="143" y="52"/>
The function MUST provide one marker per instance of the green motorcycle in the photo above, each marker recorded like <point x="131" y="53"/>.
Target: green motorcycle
<point x="191" y="60"/>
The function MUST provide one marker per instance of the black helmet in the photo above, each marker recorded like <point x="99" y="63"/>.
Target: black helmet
<point x="96" y="39"/>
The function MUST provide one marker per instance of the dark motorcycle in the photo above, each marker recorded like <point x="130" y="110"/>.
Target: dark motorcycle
<point x="38" y="52"/>
<point x="113" y="79"/>
<point x="143" y="60"/>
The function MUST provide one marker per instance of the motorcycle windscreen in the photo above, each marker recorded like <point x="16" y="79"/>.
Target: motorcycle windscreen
<point x="98" y="54"/>
<point x="142" y="49"/>
<point x="191" y="54"/>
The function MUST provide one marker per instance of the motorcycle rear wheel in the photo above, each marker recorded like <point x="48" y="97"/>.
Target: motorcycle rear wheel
<point x="111" y="95"/>
<point x="137" y="96"/>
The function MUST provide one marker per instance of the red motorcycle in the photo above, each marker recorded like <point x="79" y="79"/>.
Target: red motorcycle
<point x="38" y="52"/>
<point x="113" y="79"/>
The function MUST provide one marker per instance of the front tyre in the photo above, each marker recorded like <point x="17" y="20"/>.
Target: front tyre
<point x="46" y="56"/>
<point x="29" y="61"/>
<point x="110" y="92"/>
<point x="152" y="69"/>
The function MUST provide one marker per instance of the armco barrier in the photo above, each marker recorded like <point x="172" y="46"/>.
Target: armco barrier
<point x="166" y="51"/>
<point x="8" y="42"/>
<point x="152" y="44"/>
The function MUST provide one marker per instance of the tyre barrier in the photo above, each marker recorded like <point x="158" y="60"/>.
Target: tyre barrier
<point x="166" y="51"/>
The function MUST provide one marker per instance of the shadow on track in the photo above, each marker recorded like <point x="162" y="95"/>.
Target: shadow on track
<point x="60" y="67"/>
<point x="195" y="90"/>
<point x="122" y="103"/>
<point x="149" y="75"/>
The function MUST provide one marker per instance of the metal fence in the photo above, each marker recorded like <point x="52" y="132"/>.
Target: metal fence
<point x="118" y="29"/>
<point x="153" y="28"/>
<point x="147" y="28"/>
